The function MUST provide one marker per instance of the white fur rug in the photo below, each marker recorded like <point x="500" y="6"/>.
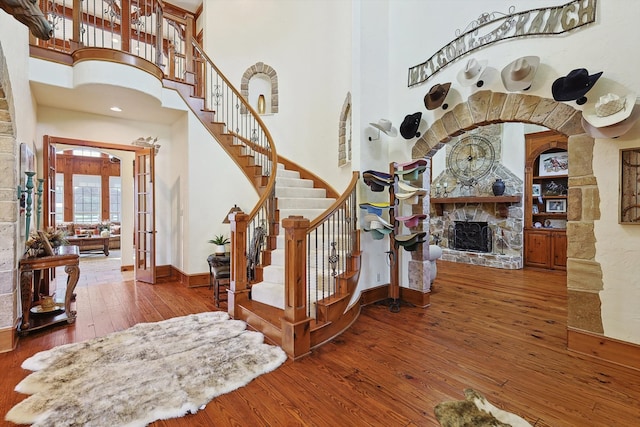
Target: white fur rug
<point x="148" y="372"/>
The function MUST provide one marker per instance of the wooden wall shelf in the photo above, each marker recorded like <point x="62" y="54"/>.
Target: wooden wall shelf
<point x="438" y="202"/>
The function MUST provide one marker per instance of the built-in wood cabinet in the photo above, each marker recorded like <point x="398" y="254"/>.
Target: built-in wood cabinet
<point x="546" y="201"/>
<point x="546" y="248"/>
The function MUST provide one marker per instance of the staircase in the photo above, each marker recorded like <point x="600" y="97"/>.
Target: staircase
<point x="295" y="197"/>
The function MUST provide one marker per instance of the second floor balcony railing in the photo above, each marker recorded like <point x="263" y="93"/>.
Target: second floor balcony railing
<point x="151" y="29"/>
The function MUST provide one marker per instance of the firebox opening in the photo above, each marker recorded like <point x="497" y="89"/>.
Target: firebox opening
<point x="474" y="236"/>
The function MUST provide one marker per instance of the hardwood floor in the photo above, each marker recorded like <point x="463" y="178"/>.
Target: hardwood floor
<point x="500" y="332"/>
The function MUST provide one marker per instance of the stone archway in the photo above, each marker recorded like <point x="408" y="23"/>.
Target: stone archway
<point x="261" y="68"/>
<point x="584" y="274"/>
<point x="8" y="216"/>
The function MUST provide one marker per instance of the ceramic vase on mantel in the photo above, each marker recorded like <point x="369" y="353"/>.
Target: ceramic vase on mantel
<point x="498" y="187"/>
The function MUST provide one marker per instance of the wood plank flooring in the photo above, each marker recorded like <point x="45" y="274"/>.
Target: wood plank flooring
<point x="500" y="332"/>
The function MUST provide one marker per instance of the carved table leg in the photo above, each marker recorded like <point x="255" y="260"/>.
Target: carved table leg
<point x="26" y="291"/>
<point x="73" y="272"/>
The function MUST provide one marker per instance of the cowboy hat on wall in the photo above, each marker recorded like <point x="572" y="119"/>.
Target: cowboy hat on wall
<point x="385" y="126"/>
<point x="610" y="117"/>
<point x="410" y="125"/>
<point x="436" y="96"/>
<point x="519" y="74"/>
<point x="472" y="73"/>
<point x="574" y="86"/>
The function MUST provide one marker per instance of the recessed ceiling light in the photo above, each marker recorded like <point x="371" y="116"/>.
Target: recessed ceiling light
<point x="116" y="109"/>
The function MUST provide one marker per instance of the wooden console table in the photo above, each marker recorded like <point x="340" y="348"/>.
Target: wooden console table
<point x="30" y="279"/>
<point x="91" y="243"/>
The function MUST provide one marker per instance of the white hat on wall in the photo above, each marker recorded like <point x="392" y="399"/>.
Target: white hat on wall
<point x="472" y="72"/>
<point x="519" y="74"/>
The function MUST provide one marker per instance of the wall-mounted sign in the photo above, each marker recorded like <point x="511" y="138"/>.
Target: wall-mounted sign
<point x="487" y="30"/>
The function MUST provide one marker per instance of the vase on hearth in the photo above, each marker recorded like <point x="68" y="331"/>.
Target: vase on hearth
<point x="498" y="187"/>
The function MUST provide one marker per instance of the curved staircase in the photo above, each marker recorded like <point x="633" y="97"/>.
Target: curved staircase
<point x="298" y="299"/>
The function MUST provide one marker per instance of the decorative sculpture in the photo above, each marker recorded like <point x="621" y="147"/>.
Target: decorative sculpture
<point x="28" y="12"/>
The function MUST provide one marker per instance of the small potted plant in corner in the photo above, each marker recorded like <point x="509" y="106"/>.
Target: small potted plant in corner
<point x="220" y="241"/>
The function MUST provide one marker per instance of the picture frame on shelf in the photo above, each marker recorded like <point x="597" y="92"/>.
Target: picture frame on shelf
<point x="553" y="164"/>
<point x="553" y="188"/>
<point x="556" y="206"/>
<point x="535" y="210"/>
<point x="536" y="190"/>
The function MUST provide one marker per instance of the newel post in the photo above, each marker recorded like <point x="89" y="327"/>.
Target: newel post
<point x="238" y="287"/>
<point x="296" y="325"/>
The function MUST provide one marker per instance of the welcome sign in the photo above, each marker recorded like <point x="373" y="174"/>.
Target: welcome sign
<point x="534" y="22"/>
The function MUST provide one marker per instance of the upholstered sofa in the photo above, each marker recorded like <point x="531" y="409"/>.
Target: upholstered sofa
<point x="78" y="230"/>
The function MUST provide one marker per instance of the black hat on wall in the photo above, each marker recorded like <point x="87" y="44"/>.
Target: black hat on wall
<point x="574" y="85"/>
<point x="410" y="125"/>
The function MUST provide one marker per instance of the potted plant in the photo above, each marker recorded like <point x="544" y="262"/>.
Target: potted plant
<point x="220" y="241"/>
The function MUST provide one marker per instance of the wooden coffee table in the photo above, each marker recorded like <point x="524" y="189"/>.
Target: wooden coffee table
<point x="92" y="243"/>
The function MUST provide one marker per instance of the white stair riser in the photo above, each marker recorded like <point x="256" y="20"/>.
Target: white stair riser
<point x="309" y="214"/>
<point x="273" y="295"/>
<point x="275" y="274"/>
<point x="300" y="192"/>
<point x="284" y="173"/>
<point x="293" y="182"/>
<point x="304" y="203"/>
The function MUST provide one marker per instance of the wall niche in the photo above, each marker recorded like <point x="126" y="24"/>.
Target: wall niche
<point x="260" y="79"/>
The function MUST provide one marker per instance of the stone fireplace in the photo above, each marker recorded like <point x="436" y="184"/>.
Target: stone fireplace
<point x="470" y="223"/>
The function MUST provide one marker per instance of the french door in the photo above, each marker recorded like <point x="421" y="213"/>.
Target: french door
<point x="144" y="223"/>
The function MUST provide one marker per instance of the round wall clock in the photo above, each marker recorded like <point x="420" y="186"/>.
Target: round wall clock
<point x="471" y="158"/>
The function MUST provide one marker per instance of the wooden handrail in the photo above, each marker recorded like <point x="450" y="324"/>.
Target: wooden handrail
<point x="338" y="203"/>
<point x="272" y="148"/>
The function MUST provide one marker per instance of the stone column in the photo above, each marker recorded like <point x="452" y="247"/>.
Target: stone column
<point x="419" y="265"/>
<point x="10" y="242"/>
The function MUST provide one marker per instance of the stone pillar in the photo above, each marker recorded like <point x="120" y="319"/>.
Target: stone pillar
<point x="10" y="242"/>
<point x="419" y="265"/>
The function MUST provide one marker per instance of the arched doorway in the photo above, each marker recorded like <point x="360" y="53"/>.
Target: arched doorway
<point x="584" y="274"/>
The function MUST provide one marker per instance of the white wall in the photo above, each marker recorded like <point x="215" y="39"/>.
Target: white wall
<point x="308" y="44"/>
<point x="211" y="186"/>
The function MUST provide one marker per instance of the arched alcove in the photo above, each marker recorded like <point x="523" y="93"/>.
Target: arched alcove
<point x="261" y="70"/>
<point x="584" y="274"/>
<point x="344" y="132"/>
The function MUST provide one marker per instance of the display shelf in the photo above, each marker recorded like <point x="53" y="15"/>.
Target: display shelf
<point x="545" y="245"/>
